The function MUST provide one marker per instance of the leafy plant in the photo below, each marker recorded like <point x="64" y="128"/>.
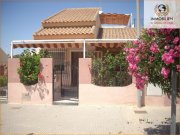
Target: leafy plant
<point x="3" y="81"/>
<point x="30" y="66"/>
<point x="111" y="70"/>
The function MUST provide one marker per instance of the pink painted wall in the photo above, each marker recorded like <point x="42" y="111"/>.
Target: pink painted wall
<point x="84" y="71"/>
<point x="97" y="95"/>
<point x="13" y="65"/>
<point x="94" y="95"/>
<point x="40" y="93"/>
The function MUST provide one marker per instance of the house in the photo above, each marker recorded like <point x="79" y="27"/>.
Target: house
<point x="69" y="36"/>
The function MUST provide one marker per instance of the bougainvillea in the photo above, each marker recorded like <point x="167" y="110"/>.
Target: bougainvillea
<point x="152" y="57"/>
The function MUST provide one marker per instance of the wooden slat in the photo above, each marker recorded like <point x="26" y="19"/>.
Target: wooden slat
<point x="62" y="45"/>
<point x="69" y="45"/>
<point x="48" y="45"/>
<point x="41" y="46"/>
<point x="77" y="45"/>
<point x="104" y="45"/>
<point x="15" y="46"/>
<point x="54" y="45"/>
<point x="111" y="45"/>
<point x="98" y="45"/>
<point x="21" y="46"/>
<point x="73" y="45"/>
<point x="34" y="45"/>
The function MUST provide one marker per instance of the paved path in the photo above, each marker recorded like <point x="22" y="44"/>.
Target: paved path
<point x="59" y="119"/>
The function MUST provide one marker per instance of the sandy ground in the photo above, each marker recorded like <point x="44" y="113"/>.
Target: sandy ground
<point x="60" y="119"/>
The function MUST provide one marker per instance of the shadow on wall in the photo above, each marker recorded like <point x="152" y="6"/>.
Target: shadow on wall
<point x="162" y="129"/>
<point x="40" y="87"/>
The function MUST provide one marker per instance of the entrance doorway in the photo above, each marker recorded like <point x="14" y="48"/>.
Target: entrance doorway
<point x="66" y="74"/>
<point x="75" y="67"/>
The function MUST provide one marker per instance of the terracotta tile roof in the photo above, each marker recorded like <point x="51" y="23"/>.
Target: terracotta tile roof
<point x="84" y="32"/>
<point x="110" y="18"/>
<point x="73" y="15"/>
<point x="64" y="32"/>
<point x="117" y="33"/>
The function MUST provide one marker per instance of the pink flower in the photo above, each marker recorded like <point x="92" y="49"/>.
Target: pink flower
<point x="130" y="58"/>
<point x="126" y="49"/>
<point x="151" y="58"/>
<point x="177" y="48"/>
<point x="132" y="67"/>
<point x="178" y="68"/>
<point x="176" y="40"/>
<point x="176" y="54"/>
<point x="136" y="42"/>
<point x="150" y="32"/>
<point x="168" y="58"/>
<point x="154" y="48"/>
<point x="168" y="38"/>
<point x="165" y="72"/>
<point x="137" y="59"/>
<point x="40" y="76"/>
<point x="167" y="47"/>
<point x="140" y="81"/>
<point x="169" y="30"/>
<point x="165" y="31"/>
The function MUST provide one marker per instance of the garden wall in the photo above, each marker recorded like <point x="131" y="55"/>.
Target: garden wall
<point x="40" y="93"/>
<point x="90" y="94"/>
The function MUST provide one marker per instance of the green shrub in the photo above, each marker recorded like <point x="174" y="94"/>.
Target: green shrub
<point x="3" y="81"/>
<point x="111" y="70"/>
<point x="30" y="66"/>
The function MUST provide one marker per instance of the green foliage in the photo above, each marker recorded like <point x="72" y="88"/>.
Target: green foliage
<point x="44" y="54"/>
<point x="111" y="70"/>
<point x="3" y="81"/>
<point x="30" y="66"/>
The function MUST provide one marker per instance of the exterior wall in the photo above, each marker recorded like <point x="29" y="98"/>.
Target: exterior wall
<point x="109" y="18"/>
<point x="3" y="57"/>
<point x="3" y="63"/>
<point x="96" y="95"/>
<point x="98" y="24"/>
<point x="40" y="93"/>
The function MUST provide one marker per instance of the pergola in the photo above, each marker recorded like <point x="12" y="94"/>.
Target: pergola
<point x="69" y="43"/>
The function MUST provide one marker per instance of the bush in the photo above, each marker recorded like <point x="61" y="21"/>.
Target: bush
<point x="30" y="66"/>
<point x="111" y="70"/>
<point x="3" y="81"/>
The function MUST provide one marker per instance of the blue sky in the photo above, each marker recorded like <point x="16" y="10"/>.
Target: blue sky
<point x="19" y="19"/>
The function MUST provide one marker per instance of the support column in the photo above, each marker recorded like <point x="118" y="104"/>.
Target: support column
<point x="173" y="101"/>
<point x="11" y="50"/>
<point x="84" y="49"/>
